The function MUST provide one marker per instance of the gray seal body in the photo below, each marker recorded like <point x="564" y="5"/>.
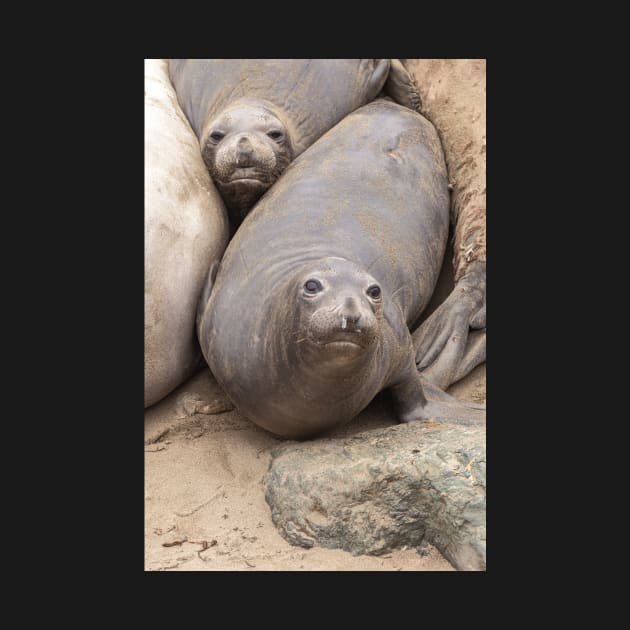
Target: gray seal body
<point x="185" y="231"/>
<point x="254" y="116"/>
<point x="308" y="317"/>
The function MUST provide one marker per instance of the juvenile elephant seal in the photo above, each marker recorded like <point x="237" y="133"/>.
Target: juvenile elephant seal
<point x="254" y="116"/>
<point x="185" y="231"/>
<point x="309" y="315"/>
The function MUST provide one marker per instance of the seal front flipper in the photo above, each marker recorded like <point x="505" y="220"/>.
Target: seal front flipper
<point x="444" y="353"/>
<point x="413" y="403"/>
<point x="435" y="394"/>
<point x="474" y="355"/>
<point x="378" y="78"/>
<point x="401" y="86"/>
<point x="446" y="412"/>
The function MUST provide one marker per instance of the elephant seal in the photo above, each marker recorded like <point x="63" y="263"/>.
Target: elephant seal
<point x="254" y="116"/>
<point x="308" y="316"/>
<point x="185" y="231"/>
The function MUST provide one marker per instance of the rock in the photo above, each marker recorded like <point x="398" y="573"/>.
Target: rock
<point x="385" y="489"/>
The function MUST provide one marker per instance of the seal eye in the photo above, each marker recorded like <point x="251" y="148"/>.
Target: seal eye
<point x="374" y="292"/>
<point x="216" y="136"/>
<point x="312" y="286"/>
<point x="276" y="135"/>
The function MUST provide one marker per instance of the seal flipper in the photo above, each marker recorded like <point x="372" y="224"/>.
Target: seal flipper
<point x="401" y="86"/>
<point x="378" y="78"/>
<point x="446" y="344"/>
<point x="418" y="400"/>
<point x="474" y="355"/>
<point x="434" y="393"/>
<point x="459" y="413"/>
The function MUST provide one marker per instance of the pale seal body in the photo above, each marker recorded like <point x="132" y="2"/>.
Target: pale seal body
<point x="308" y="318"/>
<point x="185" y="230"/>
<point x="254" y="116"/>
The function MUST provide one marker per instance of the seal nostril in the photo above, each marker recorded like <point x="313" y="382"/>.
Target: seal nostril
<point x="244" y="147"/>
<point x="350" y="312"/>
<point x="244" y="152"/>
<point x="350" y="316"/>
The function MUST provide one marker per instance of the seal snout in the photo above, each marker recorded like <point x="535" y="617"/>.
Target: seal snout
<point x="244" y="151"/>
<point x="348" y="321"/>
<point x="350" y="315"/>
<point x="244" y="144"/>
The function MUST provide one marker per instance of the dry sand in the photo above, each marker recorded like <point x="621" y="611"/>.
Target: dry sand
<point x="204" y="489"/>
<point x="453" y="94"/>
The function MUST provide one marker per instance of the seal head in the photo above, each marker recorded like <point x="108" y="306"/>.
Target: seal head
<point x="340" y="306"/>
<point x="245" y="148"/>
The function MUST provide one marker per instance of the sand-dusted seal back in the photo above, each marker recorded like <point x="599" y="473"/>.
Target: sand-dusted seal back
<point x="308" y="317"/>
<point x="254" y="116"/>
<point x="185" y="230"/>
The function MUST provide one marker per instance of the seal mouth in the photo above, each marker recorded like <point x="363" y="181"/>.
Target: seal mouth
<point x="245" y="180"/>
<point x="249" y="174"/>
<point x="342" y="344"/>
<point x="350" y="339"/>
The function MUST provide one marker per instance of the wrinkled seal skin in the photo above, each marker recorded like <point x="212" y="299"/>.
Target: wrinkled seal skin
<point x="366" y="206"/>
<point x="185" y="231"/>
<point x="254" y="116"/>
